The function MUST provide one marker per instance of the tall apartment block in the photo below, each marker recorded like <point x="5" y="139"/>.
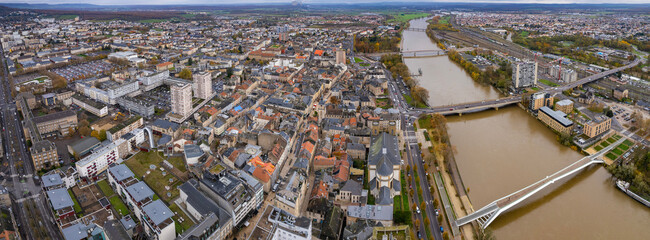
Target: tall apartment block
<point x="202" y="85"/>
<point x="181" y="99"/>
<point x="524" y="74"/>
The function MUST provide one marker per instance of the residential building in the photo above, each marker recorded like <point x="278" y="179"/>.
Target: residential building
<point x="540" y="99"/>
<point x="44" y="155"/>
<point x="597" y="125"/>
<point x="158" y="222"/>
<point x="214" y="221"/>
<point x="524" y="74"/>
<point x="138" y="106"/>
<point x="238" y="196"/>
<point x="555" y="119"/>
<point x="61" y="203"/>
<point x="289" y="227"/>
<point x="125" y="127"/>
<point x="181" y="99"/>
<point x="202" y="86"/>
<point x="80" y="231"/>
<point x="565" y="106"/>
<point x="60" y="177"/>
<point x="352" y="192"/>
<point x="99" y="160"/>
<point x="565" y="75"/>
<point x="92" y="106"/>
<point x="382" y="214"/>
<point x="289" y="196"/>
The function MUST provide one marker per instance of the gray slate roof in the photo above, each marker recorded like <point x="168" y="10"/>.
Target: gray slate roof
<point x="157" y="211"/>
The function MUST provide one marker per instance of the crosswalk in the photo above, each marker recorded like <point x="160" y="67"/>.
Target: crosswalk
<point x="27" y="198"/>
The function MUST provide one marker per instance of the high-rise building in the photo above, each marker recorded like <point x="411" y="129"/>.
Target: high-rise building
<point x="340" y="56"/>
<point x="181" y="99"/>
<point x="202" y="86"/>
<point x="524" y="74"/>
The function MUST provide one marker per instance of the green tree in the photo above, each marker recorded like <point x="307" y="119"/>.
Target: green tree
<point x="102" y="135"/>
<point x="483" y="234"/>
<point x="186" y="73"/>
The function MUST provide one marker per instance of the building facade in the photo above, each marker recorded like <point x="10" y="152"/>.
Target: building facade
<point x="555" y="119"/>
<point x="202" y="86"/>
<point x="565" y="106"/>
<point x="597" y="125"/>
<point x="524" y="74"/>
<point x="44" y="155"/>
<point x="181" y="99"/>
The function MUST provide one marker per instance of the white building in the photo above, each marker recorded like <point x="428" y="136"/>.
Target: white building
<point x="566" y="75"/>
<point x="98" y="161"/>
<point x="202" y="86"/>
<point x="181" y="99"/>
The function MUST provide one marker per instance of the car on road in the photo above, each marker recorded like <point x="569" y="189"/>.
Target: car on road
<point x="417" y="209"/>
<point x="437" y="213"/>
<point x="442" y="230"/>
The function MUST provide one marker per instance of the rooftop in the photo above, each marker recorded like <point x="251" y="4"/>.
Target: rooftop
<point x="59" y="198"/>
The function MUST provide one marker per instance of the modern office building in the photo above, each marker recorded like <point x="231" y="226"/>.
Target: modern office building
<point x="202" y="86"/>
<point x="555" y="119"/>
<point x="524" y="74"/>
<point x="597" y="125"/>
<point x="181" y="99"/>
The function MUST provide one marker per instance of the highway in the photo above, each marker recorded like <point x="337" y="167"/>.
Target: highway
<point x="33" y="214"/>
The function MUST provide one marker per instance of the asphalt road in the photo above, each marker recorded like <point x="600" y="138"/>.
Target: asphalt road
<point x="414" y="159"/>
<point x="23" y="188"/>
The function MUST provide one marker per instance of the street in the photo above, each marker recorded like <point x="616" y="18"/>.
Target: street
<point x="35" y="207"/>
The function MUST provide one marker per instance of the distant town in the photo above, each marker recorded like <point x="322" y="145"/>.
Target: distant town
<point x="307" y="121"/>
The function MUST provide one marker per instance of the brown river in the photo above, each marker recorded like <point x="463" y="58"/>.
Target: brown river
<point x="500" y="152"/>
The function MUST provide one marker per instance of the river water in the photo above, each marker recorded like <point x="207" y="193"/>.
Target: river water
<point x="500" y="152"/>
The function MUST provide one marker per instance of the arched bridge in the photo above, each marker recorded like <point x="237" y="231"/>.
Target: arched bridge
<point x="489" y="213"/>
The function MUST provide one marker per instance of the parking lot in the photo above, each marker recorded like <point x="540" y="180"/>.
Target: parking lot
<point x="84" y="70"/>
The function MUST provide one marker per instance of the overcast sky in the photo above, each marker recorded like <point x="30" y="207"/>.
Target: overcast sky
<point x="163" y="2"/>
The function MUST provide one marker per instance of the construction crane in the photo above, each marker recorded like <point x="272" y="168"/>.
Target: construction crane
<point x="117" y="115"/>
<point x="559" y="73"/>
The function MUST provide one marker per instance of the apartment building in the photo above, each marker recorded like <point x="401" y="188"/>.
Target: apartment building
<point x="98" y="161"/>
<point x="125" y="127"/>
<point x="597" y="125"/>
<point x="565" y="106"/>
<point x="181" y="99"/>
<point x="214" y="221"/>
<point x="138" y="106"/>
<point x="154" y="215"/>
<point x="555" y="119"/>
<point x="92" y="106"/>
<point x="540" y="99"/>
<point x="290" y="195"/>
<point x="44" y="155"/>
<point x="524" y="74"/>
<point x="235" y="192"/>
<point x="202" y="86"/>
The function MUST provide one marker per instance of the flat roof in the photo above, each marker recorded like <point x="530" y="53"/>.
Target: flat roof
<point x="53" y="179"/>
<point x="139" y="191"/>
<point x="558" y="116"/>
<point x="75" y="232"/>
<point x="84" y="144"/>
<point x="157" y="211"/>
<point x="121" y="172"/>
<point x="59" y="198"/>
